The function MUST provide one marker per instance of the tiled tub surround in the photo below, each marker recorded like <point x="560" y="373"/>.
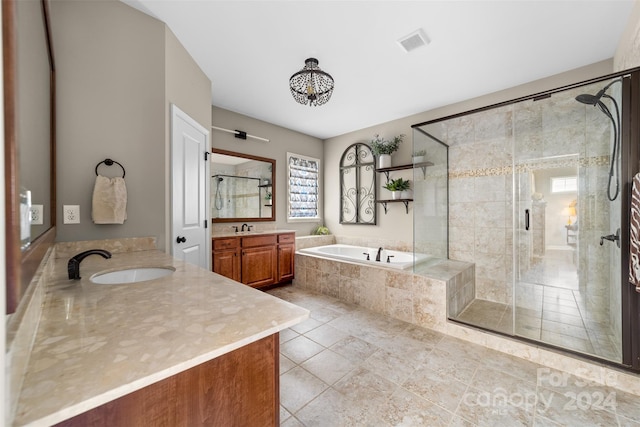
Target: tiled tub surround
<point x="415" y="298"/>
<point x="95" y="343"/>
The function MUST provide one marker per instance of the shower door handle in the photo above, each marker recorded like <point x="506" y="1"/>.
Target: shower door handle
<point x="526" y="219"/>
<point x="611" y="238"/>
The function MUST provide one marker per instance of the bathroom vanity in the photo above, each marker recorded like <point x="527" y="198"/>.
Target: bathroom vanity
<point x="191" y="348"/>
<point x="257" y="259"/>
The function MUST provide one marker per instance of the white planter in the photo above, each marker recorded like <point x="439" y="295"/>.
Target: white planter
<point x="384" y="161"/>
<point x="418" y="159"/>
<point x="395" y="195"/>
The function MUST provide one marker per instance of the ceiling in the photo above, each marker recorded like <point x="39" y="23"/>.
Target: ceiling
<point x="250" y="49"/>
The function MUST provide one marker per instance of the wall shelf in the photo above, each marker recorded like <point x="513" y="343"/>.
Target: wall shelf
<point x="385" y="171"/>
<point x="405" y="201"/>
<point x="421" y="165"/>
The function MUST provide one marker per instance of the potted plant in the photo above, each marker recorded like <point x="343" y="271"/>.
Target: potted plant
<point x="320" y="230"/>
<point x="397" y="186"/>
<point x="383" y="149"/>
<point x="418" y="156"/>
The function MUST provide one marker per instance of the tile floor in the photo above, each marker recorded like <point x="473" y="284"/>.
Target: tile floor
<point x="548" y="314"/>
<point x="551" y="308"/>
<point x="347" y="366"/>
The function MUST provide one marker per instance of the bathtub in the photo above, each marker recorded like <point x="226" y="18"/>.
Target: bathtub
<point x="358" y="254"/>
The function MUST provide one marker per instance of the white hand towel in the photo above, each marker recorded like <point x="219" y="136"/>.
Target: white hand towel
<point x="109" y="201"/>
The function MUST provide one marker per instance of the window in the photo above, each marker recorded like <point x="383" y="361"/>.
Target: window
<point x="564" y="184"/>
<point x="303" y="188"/>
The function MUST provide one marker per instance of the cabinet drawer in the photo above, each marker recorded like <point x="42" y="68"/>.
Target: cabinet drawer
<point x="287" y="238"/>
<point x="225" y="243"/>
<point x="248" y="242"/>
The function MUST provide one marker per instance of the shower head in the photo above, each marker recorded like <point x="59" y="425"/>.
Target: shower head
<point x="589" y="99"/>
<point x="220" y="179"/>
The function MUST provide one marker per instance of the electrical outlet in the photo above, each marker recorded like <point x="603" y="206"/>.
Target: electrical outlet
<point x="71" y="214"/>
<point x="36" y="215"/>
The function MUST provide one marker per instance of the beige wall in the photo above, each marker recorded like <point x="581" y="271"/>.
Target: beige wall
<point x="281" y="141"/>
<point x="117" y="71"/>
<point x="396" y="225"/>
<point x="628" y="53"/>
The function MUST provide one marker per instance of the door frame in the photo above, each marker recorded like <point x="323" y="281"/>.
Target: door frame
<point x="630" y="158"/>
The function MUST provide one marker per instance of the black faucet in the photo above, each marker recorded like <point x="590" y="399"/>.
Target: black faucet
<point x="378" y="255"/>
<point x="245" y="225"/>
<point x="73" y="268"/>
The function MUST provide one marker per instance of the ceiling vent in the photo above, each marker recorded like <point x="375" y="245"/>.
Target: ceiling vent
<point x="413" y="41"/>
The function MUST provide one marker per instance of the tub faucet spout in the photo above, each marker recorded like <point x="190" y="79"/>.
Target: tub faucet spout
<point x="378" y="255"/>
<point x="245" y="225"/>
<point x="73" y="267"/>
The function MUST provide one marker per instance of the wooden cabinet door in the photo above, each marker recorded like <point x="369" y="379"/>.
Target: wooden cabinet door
<point x="227" y="263"/>
<point x="286" y="256"/>
<point x="259" y="266"/>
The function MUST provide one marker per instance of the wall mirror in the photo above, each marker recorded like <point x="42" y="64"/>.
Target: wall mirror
<point x="29" y="85"/>
<point x="243" y="187"/>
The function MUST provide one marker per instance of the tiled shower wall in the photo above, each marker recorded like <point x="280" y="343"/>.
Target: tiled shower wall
<point x="481" y="180"/>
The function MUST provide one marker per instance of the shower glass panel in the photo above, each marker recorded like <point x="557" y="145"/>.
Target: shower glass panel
<point x="430" y="195"/>
<point x="533" y="205"/>
<point x="567" y="278"/>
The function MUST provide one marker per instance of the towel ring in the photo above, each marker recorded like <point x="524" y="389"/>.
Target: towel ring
<point x="110" y="162"/>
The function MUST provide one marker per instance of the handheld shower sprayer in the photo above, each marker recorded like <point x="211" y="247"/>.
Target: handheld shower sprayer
<point x="596" y="100"/>
<point x="218" y="202"/>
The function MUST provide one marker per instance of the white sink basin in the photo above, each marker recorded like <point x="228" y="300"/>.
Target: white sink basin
<point x="131" y="275"/>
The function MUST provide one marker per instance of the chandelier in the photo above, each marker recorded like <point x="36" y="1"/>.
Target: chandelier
<point x="311" y="85"/>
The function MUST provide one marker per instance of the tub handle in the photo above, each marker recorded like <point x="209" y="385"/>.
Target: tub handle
<point x="367" y="254"/>
<point x="389" y="258"/>
<point x="526" y="219"/>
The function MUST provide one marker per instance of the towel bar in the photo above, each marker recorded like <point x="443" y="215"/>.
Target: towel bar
<point x="110" y="162"/>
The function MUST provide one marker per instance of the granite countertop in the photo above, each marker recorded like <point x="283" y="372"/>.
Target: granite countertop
<point x="232" y="233"/>
<point x="96" y="343"/>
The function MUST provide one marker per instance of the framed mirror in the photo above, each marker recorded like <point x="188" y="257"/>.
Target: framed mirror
<point x="29" y="114"/>
<point x="243" y="187"/>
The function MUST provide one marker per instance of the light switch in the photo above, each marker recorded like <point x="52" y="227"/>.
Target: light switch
<point x="36" y="214"/>
<point x="71" y="214"/>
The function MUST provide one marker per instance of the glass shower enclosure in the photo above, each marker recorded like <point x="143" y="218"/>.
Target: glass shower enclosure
<point x="538" y="190"/>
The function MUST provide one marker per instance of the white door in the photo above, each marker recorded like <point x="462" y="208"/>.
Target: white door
<point x="190" y="169"/>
